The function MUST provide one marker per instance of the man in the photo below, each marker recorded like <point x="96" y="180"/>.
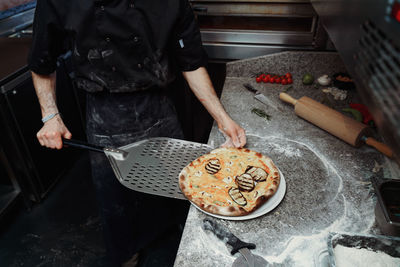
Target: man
<point x="125" y="53"/>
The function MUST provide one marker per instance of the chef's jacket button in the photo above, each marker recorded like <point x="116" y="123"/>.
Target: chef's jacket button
<point x="135" y="39"/>
<point x="102" y="7"/>
<point x="139" y="65"/>
<point x="132" y="5"/>
<point x="108" y="39"/>
<point x="113" y="68"/>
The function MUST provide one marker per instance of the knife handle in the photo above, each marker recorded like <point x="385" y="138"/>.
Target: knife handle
<point x="226" y="236"/>
<point x="250" y="88"/>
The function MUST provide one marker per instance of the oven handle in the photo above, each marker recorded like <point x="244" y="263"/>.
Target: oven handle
<point x="202" y="9"/>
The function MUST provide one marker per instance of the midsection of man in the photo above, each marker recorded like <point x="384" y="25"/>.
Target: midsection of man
<point x="125" y="54"/>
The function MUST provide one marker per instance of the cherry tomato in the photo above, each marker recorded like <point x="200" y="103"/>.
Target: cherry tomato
<point x="265" y="79"/>
<point x="269" y="76"/>
<point x="262" y="75"/>
<point x="284" y="81"/>
<point x="258" y="79"/>
<point x="289" y="81"/>
<point x="278" y="80"/>
<point x="272" y="80"/>
<point x="288" y="75"/>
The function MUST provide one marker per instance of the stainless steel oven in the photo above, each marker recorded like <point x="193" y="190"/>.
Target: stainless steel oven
<point x="367" y="36"/>
<point x="241" y="29"/>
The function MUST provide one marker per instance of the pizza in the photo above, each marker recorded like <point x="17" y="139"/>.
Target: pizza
<point x="230" y="181"/>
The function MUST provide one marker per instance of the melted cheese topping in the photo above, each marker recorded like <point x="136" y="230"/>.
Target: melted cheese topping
<point x="213" y="188"/>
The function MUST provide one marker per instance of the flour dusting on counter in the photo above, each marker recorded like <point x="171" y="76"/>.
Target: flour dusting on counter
<point x="200" y="240"/>
<point x="327" y="179"/>
<point x="298" y="157"/>
<point x="288" y="151"/>
<point x="212" y="243"/>
<point x="290" y="148"/>
<point x="362" y="257"/>
<point x="297" y="245"/>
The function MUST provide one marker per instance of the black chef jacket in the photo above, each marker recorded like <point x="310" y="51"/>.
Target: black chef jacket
<point x="117" y="45"/>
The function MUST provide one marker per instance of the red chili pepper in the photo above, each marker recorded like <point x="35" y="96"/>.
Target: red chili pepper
<point x="364" y="111"/>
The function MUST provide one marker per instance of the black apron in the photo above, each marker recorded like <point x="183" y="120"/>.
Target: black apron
<point x="131" y="220"/>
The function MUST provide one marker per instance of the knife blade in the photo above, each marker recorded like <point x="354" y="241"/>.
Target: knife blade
<point x="260" y="96"/>
<point x="257" y="260"/>
<point x="247" y="258"/>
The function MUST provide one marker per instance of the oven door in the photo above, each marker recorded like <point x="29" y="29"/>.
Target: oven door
<point x="243" y="29"/>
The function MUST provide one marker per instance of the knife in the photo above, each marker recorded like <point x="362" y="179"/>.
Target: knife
<point x="247" y="258"/>
<point x="260" y="96"/>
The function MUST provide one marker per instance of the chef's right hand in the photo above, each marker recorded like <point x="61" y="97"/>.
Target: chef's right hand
<point x="52" y="133"/>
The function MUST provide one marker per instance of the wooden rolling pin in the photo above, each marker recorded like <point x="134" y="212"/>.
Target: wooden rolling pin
<point x="334" y="122"/>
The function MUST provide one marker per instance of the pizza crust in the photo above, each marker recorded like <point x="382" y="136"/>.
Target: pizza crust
<point x="210" y="191"/>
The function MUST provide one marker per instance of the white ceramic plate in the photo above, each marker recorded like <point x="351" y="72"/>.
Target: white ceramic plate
<point x="271" y="204"/>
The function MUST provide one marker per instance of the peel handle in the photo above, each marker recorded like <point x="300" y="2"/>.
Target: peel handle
<point x="288" y="99"/>
<point x="226" y="236"/>
<point x="381" y="147"/>
<point x="82" y="145"/>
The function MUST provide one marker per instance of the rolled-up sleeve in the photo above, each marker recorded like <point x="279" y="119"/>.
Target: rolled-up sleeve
<point x="190" y="52"/>
<point x="47" y="41"/>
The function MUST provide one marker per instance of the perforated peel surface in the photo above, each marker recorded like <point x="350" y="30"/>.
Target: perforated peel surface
<point x="153" y="165"/>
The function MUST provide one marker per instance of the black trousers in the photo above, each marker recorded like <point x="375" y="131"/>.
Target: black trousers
<point x="131" y="220"/>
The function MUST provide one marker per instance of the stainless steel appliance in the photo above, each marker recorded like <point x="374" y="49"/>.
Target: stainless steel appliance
<point x="367" y="35"/>
<point x="26" y="168"/>
<point x="233" y="29"/>
<point x="37" y="168"/>
<point x="20" y="21"/>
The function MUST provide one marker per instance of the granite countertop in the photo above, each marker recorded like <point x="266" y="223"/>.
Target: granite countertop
<point x="328" y="181"/>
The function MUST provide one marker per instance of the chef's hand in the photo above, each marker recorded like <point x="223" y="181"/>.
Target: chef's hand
<point x="234" y="134"/>
<point x="200" y="83"/>
<point x="52" y="133"/>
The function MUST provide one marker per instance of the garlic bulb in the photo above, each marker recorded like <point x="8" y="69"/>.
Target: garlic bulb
<point x="324" y="80"/>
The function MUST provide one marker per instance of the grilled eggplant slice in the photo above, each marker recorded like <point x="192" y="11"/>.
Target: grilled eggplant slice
<point x="245" y="182"/>
<point x="258" y="174"/>
<point x="213" y="166"/>
<point x="237" y="196"/>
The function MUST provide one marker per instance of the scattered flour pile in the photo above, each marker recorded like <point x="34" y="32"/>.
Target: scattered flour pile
<point x="355" y="257"/>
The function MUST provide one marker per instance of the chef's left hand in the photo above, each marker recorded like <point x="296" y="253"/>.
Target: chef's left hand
<point x="236" y="136"/>
<point x="201" y="85"/>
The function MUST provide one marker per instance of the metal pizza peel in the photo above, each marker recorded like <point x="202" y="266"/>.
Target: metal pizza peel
<point x="246" y="258"/>
<point x="149" y="166"/>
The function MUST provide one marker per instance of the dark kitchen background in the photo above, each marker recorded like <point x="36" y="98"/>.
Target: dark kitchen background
<point x="47" y="205"/>
<point x="48" y="213"/>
